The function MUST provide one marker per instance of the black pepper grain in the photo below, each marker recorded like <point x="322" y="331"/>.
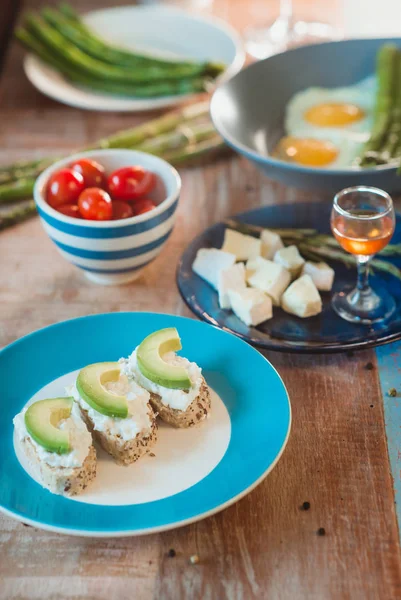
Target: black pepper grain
<point x="171" y="553"/>
<point x="321" y="531"/>
<point x="306" y="506"/>
<point x="369" y="366"/>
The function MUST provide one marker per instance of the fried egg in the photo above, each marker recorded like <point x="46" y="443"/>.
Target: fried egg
<point x="327" y="128"/>
<point x="314" y="152"/>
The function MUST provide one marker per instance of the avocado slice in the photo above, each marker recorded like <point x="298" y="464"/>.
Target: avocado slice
<point x="90" y="384"/>
<point x="151" y="364"/>
<point x="41" y="420"/>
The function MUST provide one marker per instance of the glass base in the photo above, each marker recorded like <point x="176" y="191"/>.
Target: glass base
<point x="281" y="35"/>
<point x="365" y="306"/>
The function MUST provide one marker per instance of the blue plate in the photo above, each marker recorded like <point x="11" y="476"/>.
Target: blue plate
<point x="252" y="448"/>
<point x="248" y="110"/>
<point x="326" y="332"/>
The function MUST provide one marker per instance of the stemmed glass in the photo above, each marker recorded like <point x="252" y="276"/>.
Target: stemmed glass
<point x="363" y="221"/>
<point x="286" y="32"/>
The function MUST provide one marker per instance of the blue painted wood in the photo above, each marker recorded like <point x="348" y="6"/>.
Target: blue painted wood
<point x="389" y="364"/>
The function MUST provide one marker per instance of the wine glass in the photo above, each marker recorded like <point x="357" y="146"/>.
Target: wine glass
<point x="286" y="32"/>
<point x="363" y="221"/>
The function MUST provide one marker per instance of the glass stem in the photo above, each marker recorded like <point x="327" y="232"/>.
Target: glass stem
<point x="286" y="10"/>
<point x="363" y="263"/>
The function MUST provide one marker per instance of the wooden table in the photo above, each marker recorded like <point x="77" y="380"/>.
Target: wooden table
<point x="265" y="546"/>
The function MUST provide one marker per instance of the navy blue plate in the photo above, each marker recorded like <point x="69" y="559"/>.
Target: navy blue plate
<point x="326" y="332"/>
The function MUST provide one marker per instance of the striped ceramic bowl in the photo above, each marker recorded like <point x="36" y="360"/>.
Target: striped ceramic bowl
<point x="112" y="252"/>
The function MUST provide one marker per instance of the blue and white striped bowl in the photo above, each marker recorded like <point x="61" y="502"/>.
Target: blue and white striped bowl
<point x="112" y="252"/>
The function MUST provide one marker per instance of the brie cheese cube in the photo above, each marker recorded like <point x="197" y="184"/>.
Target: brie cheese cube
<point x="209" y="262"/>
<point x="322" y="275"/>
<point x="271" y="278"/>
<point x="243" y="246"/>
<point x="251" y="306"/>
<point x="291" y="259"/>
<point x="271" y="242"/>
<point x="302" y="298"/>
<point x="232" y="279"/>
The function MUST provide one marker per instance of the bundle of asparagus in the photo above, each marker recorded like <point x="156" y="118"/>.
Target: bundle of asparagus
<point x="62" y="40"/>
<point x="182" y="137"/>
<point x="384" y="144"/>
<point x="316" y="246"/>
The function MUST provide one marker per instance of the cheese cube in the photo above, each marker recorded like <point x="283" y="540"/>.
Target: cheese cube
<point x="271" y="278"/>
<point x="291" y="259"/>
<point x="209" y="262"/>
<point x="271" y="242"/>
<point x="322" y="275"/>
<point x="251" y="306"/>
<point x="302" y="298"/>
<point x="252" y="265"/>
<point x="243" y="246"/>
<point x="233" y="279"/>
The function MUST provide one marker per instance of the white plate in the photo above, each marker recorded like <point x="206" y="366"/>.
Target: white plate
<point x="164" y="31"/>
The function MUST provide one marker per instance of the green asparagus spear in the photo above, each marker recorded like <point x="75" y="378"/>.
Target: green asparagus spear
<point x="328" y="240"/>
<point x="110" y="55"/>
<point x="175" y="140"/>
<point x="97" y="69"/>
<point x="348" y="259"/>
<point x="172" y="88"/>
<point x="131" y="138"/>
<point x="177" y="144"/>
<point x="257" y="229"/>
<point x="195" y="152"/>
<point x="97" y="48"/>
<point x="393" y="136"/>
<point x="68" y="11"/>
<point x="387" y="60"/>
<point x="17" y="215"/>
<point x="16" y="191"/>
<point x="152" y="90"/>
<point x="391" y="250"/>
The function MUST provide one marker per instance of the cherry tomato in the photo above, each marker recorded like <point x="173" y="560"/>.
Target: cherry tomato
<point x="64" y="187"/>
<point x="70" y="210"/>
<point x="122" y="210"/>
<point x="93" y="172"/>
<point x="130" y="183"/>
<point x="143" y="205"/>
<point x="95" y="204"/>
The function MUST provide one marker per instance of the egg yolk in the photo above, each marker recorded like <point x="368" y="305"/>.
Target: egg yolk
<point x="334" y="114"/>
<point x="308" y="152"/>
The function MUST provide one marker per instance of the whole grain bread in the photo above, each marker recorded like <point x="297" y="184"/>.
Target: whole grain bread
<point x="66" y="481"/>
<point x="124" y="452"/>
<point x="196" y="412"/>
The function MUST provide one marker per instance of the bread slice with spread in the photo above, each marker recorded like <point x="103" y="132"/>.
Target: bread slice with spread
<point x="178" y="390"/>
<point x="117" y="411"/>
<point x="57" y="445"/>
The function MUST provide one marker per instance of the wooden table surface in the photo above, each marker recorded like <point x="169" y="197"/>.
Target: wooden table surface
<point x="265" y="546"/>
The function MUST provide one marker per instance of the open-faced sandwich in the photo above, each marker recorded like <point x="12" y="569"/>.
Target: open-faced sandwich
<point x="178" y="390"/>
<point x="57" y="445"/>
<point x="117" y="411"/>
